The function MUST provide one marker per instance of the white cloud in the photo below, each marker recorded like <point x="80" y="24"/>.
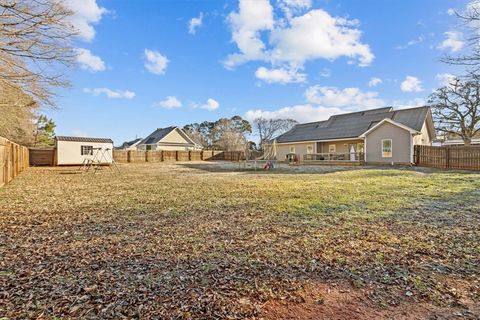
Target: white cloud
<point x="413" y="42"/>
<point x="291" y="7"/>
<point x="170" y="102"/>
<point x="246" y="24"/>
<point x="89" y="61"/>
<point x="451" y="11"/>
<point x="113" y="94"/>
<point x="303" y="4"/>
<point x="86" y="13"/>
<point x="374" y="82"/>
<point x="445" y="79"/>
<point x="453" y="42"/>
<point x="280" y="75"/>
<point x="156" y="62"/>
<point x="301" y="113"/>
<point x="313" y="35"/>
<point x="318" y="35"/>
<point x="211" y="105"/>
<point x="195" y="23"/>
<point x="349" y="98"/>
<point x="411" y="84"/>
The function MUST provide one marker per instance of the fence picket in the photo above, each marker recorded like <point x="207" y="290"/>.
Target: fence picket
<point x="448" y="157"/>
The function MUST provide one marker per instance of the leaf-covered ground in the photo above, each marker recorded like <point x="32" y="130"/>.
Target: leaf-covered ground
<point x="177" y="241"/>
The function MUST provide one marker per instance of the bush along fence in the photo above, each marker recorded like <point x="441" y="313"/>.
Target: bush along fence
<point x="165" y="156"/>
<point x="13" y="160"/>
<point x="448" y="157"/>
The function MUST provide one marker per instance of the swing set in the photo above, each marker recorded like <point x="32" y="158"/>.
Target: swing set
<point x="266" y="162"/>
<point x="100" y="157"/>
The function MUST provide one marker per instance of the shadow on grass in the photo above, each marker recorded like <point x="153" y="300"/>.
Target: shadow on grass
<point x="279" y="169"/>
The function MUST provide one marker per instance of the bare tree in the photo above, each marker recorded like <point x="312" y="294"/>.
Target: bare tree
<point x="469" y="18"/>
<point x="267" y="129"/>
<point x="17" y="114"/>
<point x="35" y="46"/>
<point x="456" y="108"/>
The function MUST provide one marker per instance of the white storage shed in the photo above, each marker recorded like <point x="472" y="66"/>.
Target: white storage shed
<point x="74" y="150"/>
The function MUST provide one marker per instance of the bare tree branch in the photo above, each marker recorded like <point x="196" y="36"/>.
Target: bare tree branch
<point x="456" y="108"/>
<point x="35" y="46"/>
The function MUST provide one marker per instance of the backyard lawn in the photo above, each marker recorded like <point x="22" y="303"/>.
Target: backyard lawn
<point x="200" y="241"/>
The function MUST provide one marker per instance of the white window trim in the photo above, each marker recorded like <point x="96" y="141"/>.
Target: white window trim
<point x="391" y="148"/>
<point x="292" y="148"/>
<point x="334" y="148"/>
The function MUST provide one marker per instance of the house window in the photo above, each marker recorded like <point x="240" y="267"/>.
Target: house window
<point x="309" y="149"/>
<point x="292" y="149"/>
<point x="386" y="148"/>
<point x="149" y="147"/>
<point x="332" y="148"/>
<point x="86" y="150"/>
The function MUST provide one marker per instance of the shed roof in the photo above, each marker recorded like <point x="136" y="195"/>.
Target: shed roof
<point x="352" y="125"/>
<point x="83" y="139"/>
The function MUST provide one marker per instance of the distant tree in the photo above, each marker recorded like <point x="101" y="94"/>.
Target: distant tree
<point x="226" y="133"/>
<point x="201" y="132"/>
<point x="230" y="134"/>
<point x="45" y="132"/>
<point x="35" y="38"/>
<point x="267" y="129"/>
<point x="456" y="108"/>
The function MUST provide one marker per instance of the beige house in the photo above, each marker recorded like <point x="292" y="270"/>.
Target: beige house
<point x="378" y="136"/>
<point x="75" y="150"/>
<point x="170" y="139"/>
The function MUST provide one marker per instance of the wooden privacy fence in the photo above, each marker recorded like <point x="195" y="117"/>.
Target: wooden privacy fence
<point x="13" y="160"/>
<point x="448" y="157"/>
<point x="42" y="157"/>
<point x="164" y="155"/>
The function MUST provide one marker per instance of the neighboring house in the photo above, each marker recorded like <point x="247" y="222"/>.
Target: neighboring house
<point x="74" y="150"/>
<point x="375" y="136"/>
<point x="130" y="145"/>
<point x="171" y="138"/>
<point x="456" y="140"/>
<point x="459" y="142"/>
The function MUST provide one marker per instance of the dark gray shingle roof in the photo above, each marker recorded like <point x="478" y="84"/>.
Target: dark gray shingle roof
<point x="351" y="125"/>
<point x="83" y="139"/>
<point x="131" y="143"/>
<point x="157" y="135"/>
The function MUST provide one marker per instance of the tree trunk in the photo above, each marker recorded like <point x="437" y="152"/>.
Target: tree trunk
<point x="467" y="141"/>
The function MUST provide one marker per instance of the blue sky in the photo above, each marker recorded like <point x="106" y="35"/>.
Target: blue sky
<point x="147" y="64"/>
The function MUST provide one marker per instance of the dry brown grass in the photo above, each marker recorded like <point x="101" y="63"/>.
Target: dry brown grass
<point x="186" y="241"/>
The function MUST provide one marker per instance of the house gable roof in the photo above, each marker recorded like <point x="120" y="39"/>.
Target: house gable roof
<point x="352" y="125"/>
<point x="131" y="143"/>
<point x="159" y="134"/>
<point x="83" y="139"/>
<point x="387" y="120"/>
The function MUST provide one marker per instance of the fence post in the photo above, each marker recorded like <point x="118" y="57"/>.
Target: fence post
<point x="189" y="155"/>
<point x="447" y="156"/>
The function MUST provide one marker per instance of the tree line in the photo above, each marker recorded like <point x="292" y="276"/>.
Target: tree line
<point x="235" y="133"/>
